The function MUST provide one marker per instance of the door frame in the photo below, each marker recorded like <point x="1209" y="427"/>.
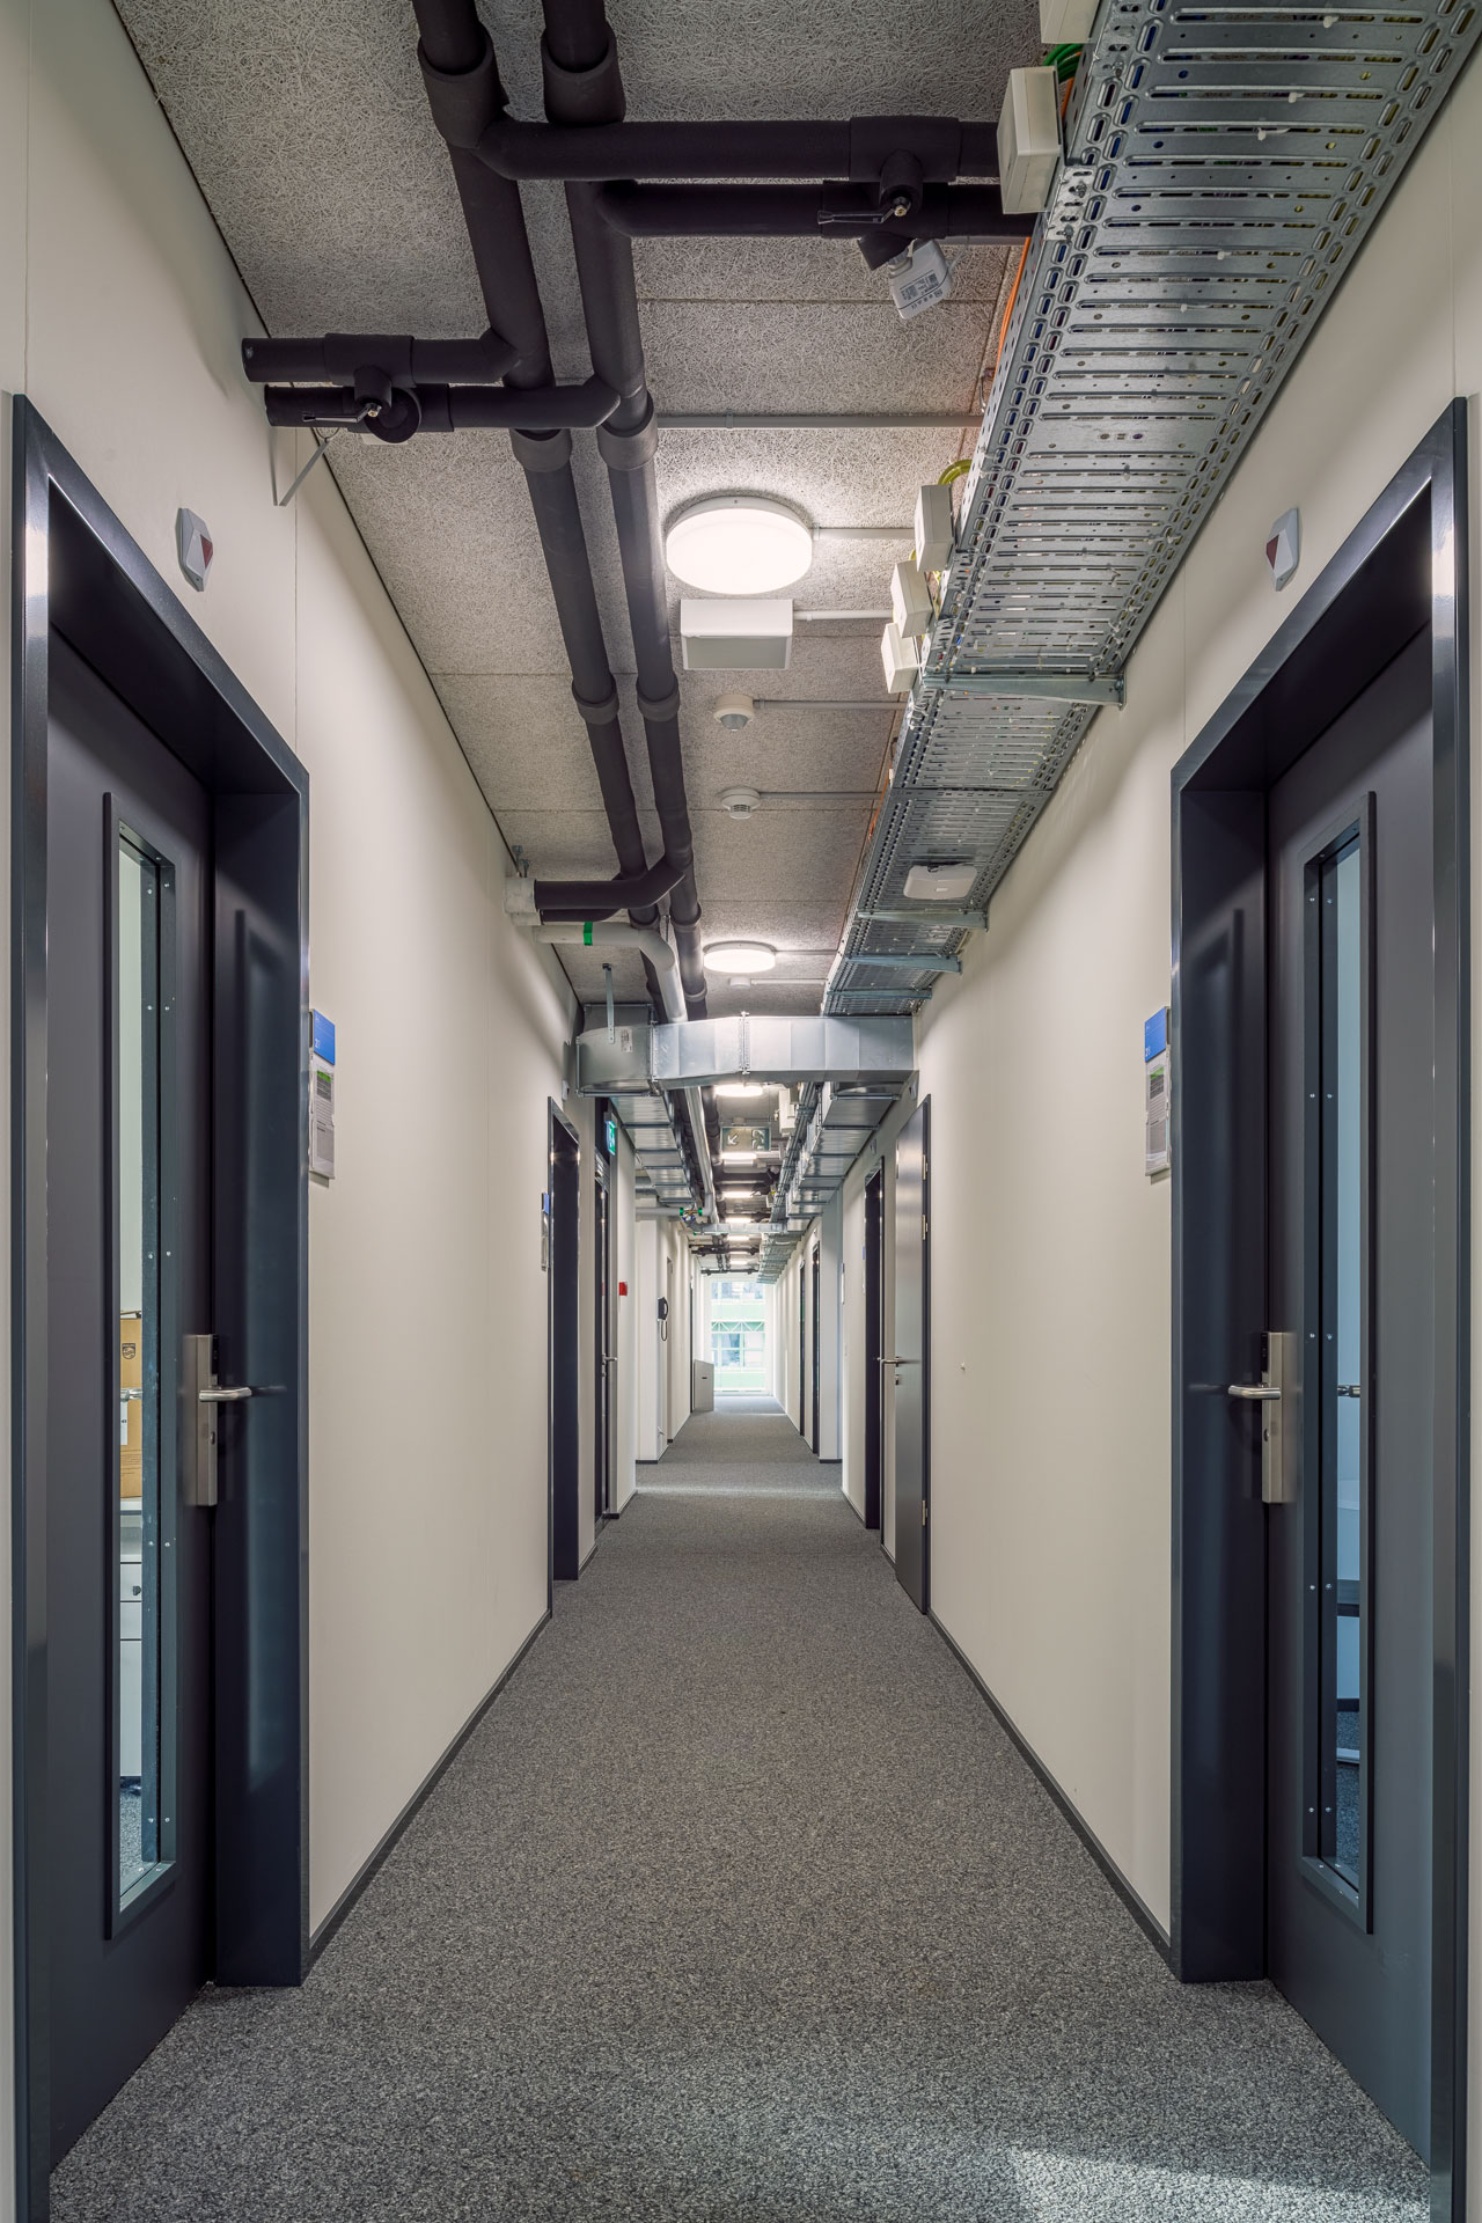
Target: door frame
<point x="815" y="1370"/>
<point x="1402" y="568"/>
<point x="563" y="1356"/>
<point x="77" y="569"/>
<point x="874" y="1346"/>
<point x="921" y="1111"/>
<point x="604" y="1316"/>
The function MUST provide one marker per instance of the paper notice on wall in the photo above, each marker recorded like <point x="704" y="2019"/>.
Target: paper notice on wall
<point x="321" y="1121"/>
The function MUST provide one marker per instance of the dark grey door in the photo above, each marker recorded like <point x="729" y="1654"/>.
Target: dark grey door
<point x="815" y="1308"/>
<point x="563" y="1253"/>
<point x="803" y="1349"/>
<point x="128" y="1564"/>
<point x="604" y="1339"/>
<point x="874" y="1230"/>
<point x="1351" y="1280"/>
<point x="911" y="1361"/>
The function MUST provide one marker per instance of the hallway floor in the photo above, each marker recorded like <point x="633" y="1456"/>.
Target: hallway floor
<point x="740" y="1906"/>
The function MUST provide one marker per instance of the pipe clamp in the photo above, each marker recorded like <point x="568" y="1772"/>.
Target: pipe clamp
<point x="542" y="451"/>
<point x="593" y="95"/>
<point x="596" y="713"/>
<point x="656" y="708"/>
<point x="630" y="451"/>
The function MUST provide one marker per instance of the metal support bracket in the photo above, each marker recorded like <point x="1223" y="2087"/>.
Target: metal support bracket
<point x="1035" y="686"/>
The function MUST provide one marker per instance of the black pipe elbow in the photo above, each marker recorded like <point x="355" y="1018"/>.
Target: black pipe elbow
<point x="564" y="900"/>
<point x="465" y="98"/>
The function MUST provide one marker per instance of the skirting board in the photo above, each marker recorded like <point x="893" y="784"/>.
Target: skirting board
<point x="352" y="1891"/>
<point x="1136" y="1906"/>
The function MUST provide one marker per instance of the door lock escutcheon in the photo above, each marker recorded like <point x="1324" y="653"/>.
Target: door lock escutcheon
<point x="203" y="1394"/>
<point x="1278" y="1393"/>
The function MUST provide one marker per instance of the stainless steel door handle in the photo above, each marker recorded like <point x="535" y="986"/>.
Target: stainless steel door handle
<point x="202" y="1393"/>
<point x="1280" y="1387"/>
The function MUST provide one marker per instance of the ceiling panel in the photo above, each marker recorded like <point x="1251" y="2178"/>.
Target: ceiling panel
<point x="814" y="355"/>
<point x="790" y="270"/>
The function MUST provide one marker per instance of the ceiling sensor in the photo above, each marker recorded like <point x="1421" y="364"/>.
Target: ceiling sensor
<point x="739" y="802"/>
<point x="734" y="712"/>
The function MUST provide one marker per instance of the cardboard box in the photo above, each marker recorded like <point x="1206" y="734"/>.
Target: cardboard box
<point x="130" y="1409"/>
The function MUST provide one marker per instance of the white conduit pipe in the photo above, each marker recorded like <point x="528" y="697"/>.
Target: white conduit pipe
<point x="646" y="940"/>
<point x="604" y="933"/>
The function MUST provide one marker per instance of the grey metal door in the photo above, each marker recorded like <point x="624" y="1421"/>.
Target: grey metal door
<point x="128" y="1264"/>
<point x="604" y="1339"/>
<point x="563" y="1253"/>
<point x="911" y="1360"/>
<point x="1351" y="1269"/>
<point x="815" y="1309"/>
<point x="874" y="1214"/>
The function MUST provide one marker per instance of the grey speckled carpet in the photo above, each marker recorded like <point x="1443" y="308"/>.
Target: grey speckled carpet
<point x="739" y="1906"/>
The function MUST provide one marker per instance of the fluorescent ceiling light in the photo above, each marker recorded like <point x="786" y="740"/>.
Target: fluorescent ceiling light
<point x="738" y="544"/>
<point x="744" y="1088"/>
<point x="739" y="958"/>
<point x="738" y="1157"/>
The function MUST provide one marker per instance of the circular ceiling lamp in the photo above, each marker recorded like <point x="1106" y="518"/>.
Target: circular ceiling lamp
<point x="738" y="544"/>
<point x="739" y="960"/>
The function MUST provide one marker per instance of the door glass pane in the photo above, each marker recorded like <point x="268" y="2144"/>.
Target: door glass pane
<point x="1342" y="1590"/>
<point x="136" y="1481"/>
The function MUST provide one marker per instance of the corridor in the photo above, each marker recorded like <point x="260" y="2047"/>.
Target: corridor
<point x="738" y="1904"/>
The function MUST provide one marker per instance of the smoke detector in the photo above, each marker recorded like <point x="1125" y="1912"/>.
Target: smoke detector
<point x="739" y="802"/>
<point x="734" y="712"/>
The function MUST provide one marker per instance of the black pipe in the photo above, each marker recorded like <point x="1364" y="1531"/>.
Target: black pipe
<point x="784" y="211"/>
<point x="463" y="89"/>
<point x="866" y="149"/>
<point x="452" y="408"/>
<point x="583" y="90"/>
<point x="339" y="356"/>
<point x="565" y="900"/>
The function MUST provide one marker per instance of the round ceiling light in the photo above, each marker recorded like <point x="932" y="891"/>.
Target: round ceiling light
<point x="739" y="960"/>
<point x="738" y="544"/>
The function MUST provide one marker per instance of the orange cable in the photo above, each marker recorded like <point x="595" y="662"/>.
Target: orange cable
<point x="1008" y="310"/>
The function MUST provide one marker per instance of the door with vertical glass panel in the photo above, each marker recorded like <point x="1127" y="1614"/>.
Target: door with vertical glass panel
<point x="1349" y="1565"/>
<point x="909" y="1364"/>
<point x="605" y="1325"/>
<point x="128" y="1589"/>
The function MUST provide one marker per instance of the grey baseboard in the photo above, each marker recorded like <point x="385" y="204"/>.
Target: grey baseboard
<point x="1131" y="1898"/>
<point x="365" y="1873"/>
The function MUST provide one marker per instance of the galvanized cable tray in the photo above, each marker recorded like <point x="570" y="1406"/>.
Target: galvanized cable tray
<point x="1223" y="165"/>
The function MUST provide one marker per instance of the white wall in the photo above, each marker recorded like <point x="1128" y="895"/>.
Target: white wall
<point x="428" y="1522"/>
<point x="1051" y="1250"/>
